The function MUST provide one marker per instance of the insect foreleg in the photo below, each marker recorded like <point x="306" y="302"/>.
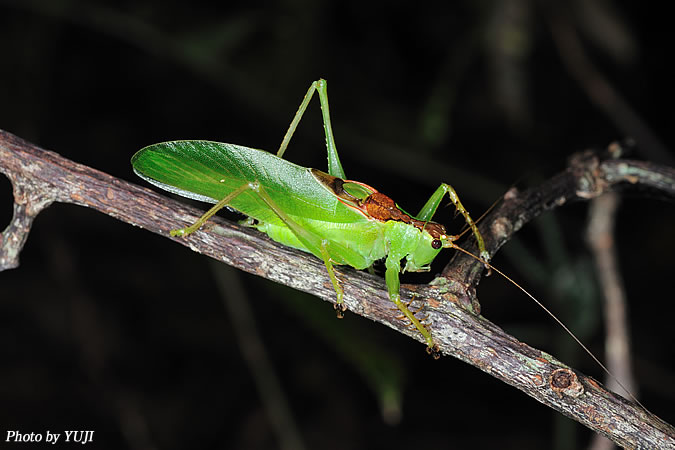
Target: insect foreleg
<point x="429" y="209"/>
<point x="334" y="166"/>
<point x="393" y="265"/>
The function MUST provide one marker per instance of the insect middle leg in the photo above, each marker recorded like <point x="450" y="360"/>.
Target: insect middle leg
<point x="322" y="248"/>
<point x="429" y="209"/>
<point x="329" y="251"/>
<point x="393" y="268"/>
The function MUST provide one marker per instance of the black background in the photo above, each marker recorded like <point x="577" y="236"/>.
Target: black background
<point x="109" y="328"/>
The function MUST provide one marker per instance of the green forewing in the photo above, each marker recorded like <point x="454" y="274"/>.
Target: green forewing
<point x="208" y="171"/>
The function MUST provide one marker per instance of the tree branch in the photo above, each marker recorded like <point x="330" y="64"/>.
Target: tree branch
<point x="600" y="239"/>
<point x="40" y="177"/>
<point x="589" y="174"/>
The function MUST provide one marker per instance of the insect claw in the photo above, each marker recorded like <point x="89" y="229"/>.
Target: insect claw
<point x="340" y="309"/>
<point x="434" y="351"/>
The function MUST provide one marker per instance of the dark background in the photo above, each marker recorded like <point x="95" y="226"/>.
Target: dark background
<point x="109" y="328"/>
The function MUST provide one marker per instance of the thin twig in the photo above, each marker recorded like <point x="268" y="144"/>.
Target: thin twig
<point x="255" y="355"/>
<point x="600" y="238"/>
<point x="598" y="88"/>
<point x="93" y="338"/>
<point x="458" y="331"/>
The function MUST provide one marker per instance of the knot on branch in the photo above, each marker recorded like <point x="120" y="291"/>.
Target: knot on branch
<point x="30" y="197"/>
<point x="566" y="382"/>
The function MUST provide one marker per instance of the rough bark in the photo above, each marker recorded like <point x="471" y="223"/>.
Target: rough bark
<point x="40" y="177"/>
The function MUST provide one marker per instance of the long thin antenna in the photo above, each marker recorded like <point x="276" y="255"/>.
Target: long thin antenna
<point x="567" y="330"/>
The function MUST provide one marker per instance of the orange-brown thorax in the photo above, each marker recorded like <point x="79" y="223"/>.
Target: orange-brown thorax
<point x="381" y="207"/>
<point x="375" y="205"/>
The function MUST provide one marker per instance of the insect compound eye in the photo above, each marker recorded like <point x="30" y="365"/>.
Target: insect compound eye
<point x="436" y="244"/>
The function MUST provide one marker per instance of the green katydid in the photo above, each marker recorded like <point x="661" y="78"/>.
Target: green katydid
<point x="339" y="221"/>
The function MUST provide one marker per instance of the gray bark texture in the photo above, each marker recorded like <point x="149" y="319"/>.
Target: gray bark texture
<point x="40" y="177"/>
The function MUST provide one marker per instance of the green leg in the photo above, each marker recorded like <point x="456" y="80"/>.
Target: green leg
<point x="208" y="214"/>
<point x="325" y="249"/>
<point x="340" y="307"/>
<point x="334" y="166"/>
<point x="429" y="209"/>
<point x="393" y="265"/>
<point x="321" y="248"/>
